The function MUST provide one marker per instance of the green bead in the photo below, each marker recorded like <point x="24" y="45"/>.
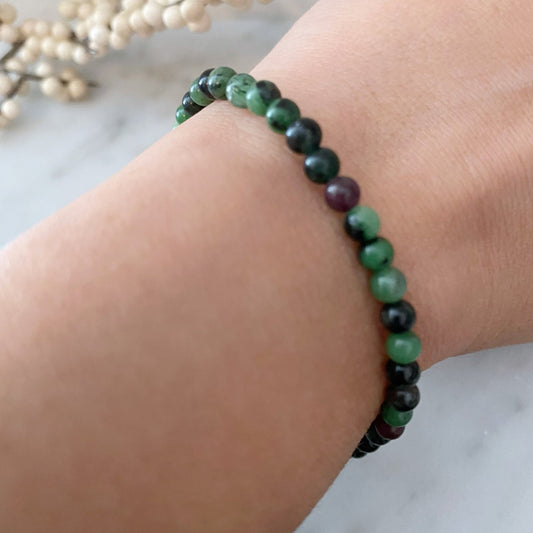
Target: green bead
<point x="181" y="115"/>
<point x="237" y="88"/>
<point x="395" y="418"/>
<point x="377" y="254"/>
<point x="388" y="285"/>
<point x="281" y="113"/>
<point x="362" y="223"/>
<point x="197" y="96"/>
<point x="175" y="125"/>
<point x="260" y="96"/>
<point x="403" y="348"/>
<point x="218" y="81"/>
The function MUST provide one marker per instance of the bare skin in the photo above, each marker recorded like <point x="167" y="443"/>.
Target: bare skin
<point x="192" y="347"/>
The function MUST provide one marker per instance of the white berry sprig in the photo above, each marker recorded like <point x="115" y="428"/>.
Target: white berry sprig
<point x="89" y="29"/>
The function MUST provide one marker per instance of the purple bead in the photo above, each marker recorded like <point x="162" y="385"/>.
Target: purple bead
<point x="386" y="431"/>
<point x="342" y="193"/>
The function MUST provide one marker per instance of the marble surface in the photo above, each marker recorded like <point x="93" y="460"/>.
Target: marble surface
<point x="466" y="463"/>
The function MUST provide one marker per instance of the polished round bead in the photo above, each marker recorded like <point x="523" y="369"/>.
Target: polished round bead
<point x="260" y="96"/>
<point x="366" y="446"/>
<point x="374" y="437"/>
<point x="357" y="454"/>
<point x="402" y="374"/>
<point x="304" y="136"/>
<point x="403" y="348"/>
<point x="386" y="430"/>
<point x="237" y="88"/>
<point x="218" y="81"/>
<point x="393" y="417"/>
<point x="376" y="254"/>
<point x="181" y="115"/>
<point x="189" y="105"/>
<point x="342" y="193"/>
<point x="398" y="317"/>
<point x="362" y="223"/>
<point x="388" y="285"/>
<point x="197" y="95"/>
<point x="202" y="82"/>
<point x="281" y="113"/>
<point x="321" y="165"/>
<point x="403" y="397"/>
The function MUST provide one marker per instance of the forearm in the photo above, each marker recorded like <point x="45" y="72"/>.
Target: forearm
<point x="192" y="346"/>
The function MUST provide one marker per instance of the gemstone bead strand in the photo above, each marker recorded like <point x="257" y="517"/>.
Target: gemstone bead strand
<point x="361" y="223"/>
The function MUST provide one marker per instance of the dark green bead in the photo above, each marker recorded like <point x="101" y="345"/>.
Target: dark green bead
<point x="181" y="115"/>
<point x="403" y="348"/>
<point x="388" y="285"/>
<point x="321" y="165"/>
<point x="357" y="453"/>
<point x="393" y="417"/>
<point x="197" y="95"/>
<point x="237" y="88"/>
<point x="218" y="81"/>
<point x="281" y="113"/>
<point x="362" y="223"/>
<point x="376" y="254"/>
<point x="260" y="96"/>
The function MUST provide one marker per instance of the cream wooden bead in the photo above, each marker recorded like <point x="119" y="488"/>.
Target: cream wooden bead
<point x="120" y="25"/>
<point x="33" y="43"/>
<point x="10" y="109"/>
<point x="85" y="10"/>
<point x="49" y="46"/>
<point x="41" y="28"/>
<point x="65" y="50"/>
<point x="8" y="13"/>
<point x="26" y="55"/>
<point x="139" y="25"/>
<point x="99" y="35"/>
<point x="51" y="86"/>
<point x="192" y="10"/>
<point x="132" y="4"/>
<point x="118" y="42"/>
<point x="44" y="69"/>
<point x="77" y="89"/>
<point x="9" y="34"/>
<point x="81" y="30"/>
<point x="201" y="25"/>
<point x="80" y="55"/>
<point x="172" y="18"/>
<point x="103" y="16"/>
<point x="5" y="84"/>
<point x="153" y="14"/>
<point x="68" y="9"/>
<point x="27" y="27"/>
<point x="61" y="30"/>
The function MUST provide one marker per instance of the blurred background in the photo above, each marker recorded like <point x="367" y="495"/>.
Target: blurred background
<point x="466" y="462"/>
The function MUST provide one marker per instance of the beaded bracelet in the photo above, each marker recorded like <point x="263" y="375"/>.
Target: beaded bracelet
<point x="361" y="223"/>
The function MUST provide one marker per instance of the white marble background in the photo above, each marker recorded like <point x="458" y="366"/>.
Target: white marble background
<point x="466" y="463"/>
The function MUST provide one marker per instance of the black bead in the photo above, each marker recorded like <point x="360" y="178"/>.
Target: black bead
<point x="398" y="317"/>
<point x="403" y="397"/>
<point x="189" y="105"/>
<point x="399" y="374"/>
<point x="202" y="82"/>
<point x="357" y="453"/>
<point x="322" y="165"/>
<point x="366" y="446"/>
<point x="374" y="437"/>
<point x="304" y="136"/>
